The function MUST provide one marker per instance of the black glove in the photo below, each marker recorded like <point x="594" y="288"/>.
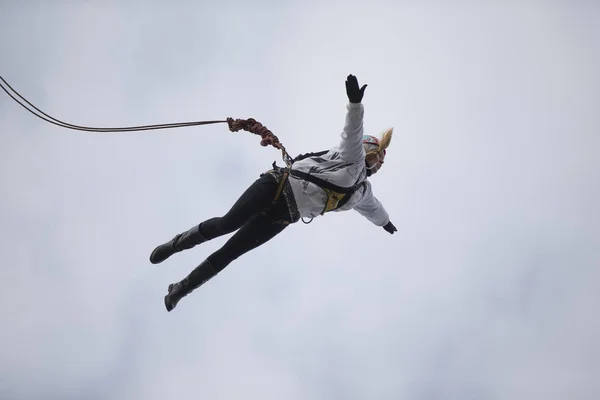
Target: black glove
<point x="390" y="228"/>
<point x="355" y="94"/>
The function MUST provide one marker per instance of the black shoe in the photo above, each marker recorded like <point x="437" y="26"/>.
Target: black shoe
<point x="182" y="241"/>
<point x="201" y="274"/>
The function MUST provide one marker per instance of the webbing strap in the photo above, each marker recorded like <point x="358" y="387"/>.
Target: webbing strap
<point x="323" y="183"/>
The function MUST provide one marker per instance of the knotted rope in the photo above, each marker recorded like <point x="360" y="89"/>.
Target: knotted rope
<point x="267" y="137"/>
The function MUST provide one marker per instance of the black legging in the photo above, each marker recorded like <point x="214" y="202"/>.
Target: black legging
<point x="254" y="216"/>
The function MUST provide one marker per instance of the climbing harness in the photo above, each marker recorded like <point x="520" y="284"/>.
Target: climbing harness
<point x="337" y="196"/>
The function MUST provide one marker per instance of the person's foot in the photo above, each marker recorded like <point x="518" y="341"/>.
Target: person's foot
<point x="181" y="241"/>
<point x="176" y="291"/>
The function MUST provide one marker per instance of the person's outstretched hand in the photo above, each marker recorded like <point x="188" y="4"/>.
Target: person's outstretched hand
<point x="390" y="228"/>
<point x="355" y="94"/>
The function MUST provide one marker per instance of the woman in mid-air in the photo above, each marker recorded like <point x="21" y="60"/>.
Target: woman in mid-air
<point x="333" y="180"/>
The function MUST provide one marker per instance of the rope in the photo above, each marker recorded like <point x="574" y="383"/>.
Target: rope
<point x="250" y="125"/>
<point x="253" y="126"/>
<point x="235" y="125"/>
<point x="63" y="124"/>
<point x="267" y="137"/>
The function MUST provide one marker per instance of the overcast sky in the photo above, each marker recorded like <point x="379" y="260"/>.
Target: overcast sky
<point x="489" y="289"/>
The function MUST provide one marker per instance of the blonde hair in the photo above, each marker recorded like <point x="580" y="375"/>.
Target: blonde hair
<point x="386" y="139"/>
<point x="384" y="142"/>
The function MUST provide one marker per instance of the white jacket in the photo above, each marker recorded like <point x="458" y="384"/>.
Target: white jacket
<point x="343" y="165"/>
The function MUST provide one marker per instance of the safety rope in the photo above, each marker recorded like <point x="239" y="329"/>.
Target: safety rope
<point x="63" y="124"/>
<point x="250" y="125"/>
<point x="235" y="125"/>
<point x="267" y="137"/>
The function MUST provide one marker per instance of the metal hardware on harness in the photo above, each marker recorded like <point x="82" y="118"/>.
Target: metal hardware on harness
<point x="284" y="176"/>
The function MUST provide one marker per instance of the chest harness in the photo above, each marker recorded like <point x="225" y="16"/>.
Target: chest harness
<point x="337" y="196"/>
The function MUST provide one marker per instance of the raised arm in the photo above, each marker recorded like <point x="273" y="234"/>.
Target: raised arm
<point x="351" y="148"/>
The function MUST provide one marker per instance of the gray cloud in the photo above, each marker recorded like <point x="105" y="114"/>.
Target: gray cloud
<point x="486" y="291"/>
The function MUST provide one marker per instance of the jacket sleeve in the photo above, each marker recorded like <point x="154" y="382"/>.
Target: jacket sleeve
<point x="351" y="148"/>
<point x="372" y="209"/>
